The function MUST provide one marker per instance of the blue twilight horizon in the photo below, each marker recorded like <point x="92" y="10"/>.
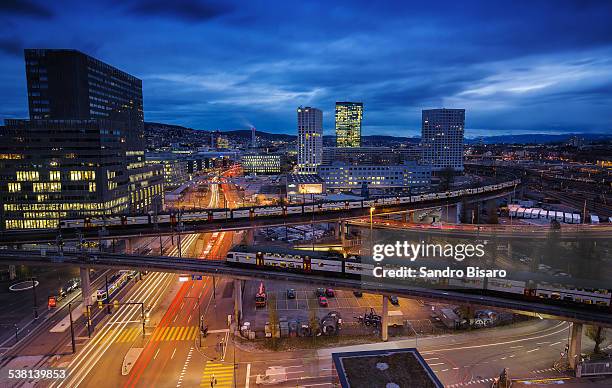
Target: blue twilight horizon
<point x="516" y="67"/>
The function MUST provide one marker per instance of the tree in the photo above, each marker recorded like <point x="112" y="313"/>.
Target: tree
<point x="273" y="318"/>
<point x="313" y="320"/>
<point x="597" y="335"/>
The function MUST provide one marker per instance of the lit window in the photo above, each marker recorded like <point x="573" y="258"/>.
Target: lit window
<point x="27" y="175"/>
<point x="54" y="175"/>
<point x="14" y="187"/>
<point x="92" y="187"/>
<point x="47" y="187"/>
<point x="82" y="175"/>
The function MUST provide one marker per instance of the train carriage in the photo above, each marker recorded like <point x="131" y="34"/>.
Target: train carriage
<point x="241" y="213"/>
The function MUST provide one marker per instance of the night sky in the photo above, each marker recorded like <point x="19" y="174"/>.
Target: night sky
<point x="515" y="66"/>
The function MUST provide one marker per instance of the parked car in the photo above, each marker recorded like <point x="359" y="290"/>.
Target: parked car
<point x="358" y="294"/>
<point x="322" y="301"/>
<point x="290" y="293"/>
<point x="394" y="301"/>
<point x="329" y="292"/>
<point x="320" y="292"/>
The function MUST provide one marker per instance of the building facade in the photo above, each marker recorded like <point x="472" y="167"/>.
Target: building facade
<point x="348" y="124"/>
<point x="310" y="139"/>
<point x="85" y="115"/>
<point x="175" y="168"/>
<point x="442" y="138"/>
<point x="406" y="176"/>
<point x="52" y="169"/>
<point x="370" y="155"/>
<point x="262" y="163"/>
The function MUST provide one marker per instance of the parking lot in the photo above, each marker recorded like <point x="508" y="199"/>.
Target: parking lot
<point x="345" y="303"/>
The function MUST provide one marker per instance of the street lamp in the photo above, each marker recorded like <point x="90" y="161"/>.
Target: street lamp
<point x="372" y="208"/>
<point x="35" y="301"/>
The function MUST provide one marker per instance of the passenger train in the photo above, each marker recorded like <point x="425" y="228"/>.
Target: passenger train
<point x="334" y="264"/>
<point x="275" y="211"/>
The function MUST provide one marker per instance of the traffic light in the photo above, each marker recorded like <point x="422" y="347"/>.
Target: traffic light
<point x="116" y="304"/>
<point x="100" y="304"/>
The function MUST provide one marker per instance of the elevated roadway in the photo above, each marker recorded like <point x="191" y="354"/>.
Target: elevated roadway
<point x="517" y="231"/>
<point x="220" y="268"/>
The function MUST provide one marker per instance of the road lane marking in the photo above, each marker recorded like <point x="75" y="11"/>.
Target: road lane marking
<point x="556" y="343"/>
<point x="437" y="363"/>
<point x="173" y="352"/>
<point x="516" y="347"/>
<point x="156" y="353"/>
<point x="248" y="376"/>
<point x="179" y="335"/>
<point x="532" y="350"/>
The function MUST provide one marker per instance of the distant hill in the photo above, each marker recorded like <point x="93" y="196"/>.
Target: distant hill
<point x="175" y="131"/>
<point x="246" y="134"/>
<point x="538" y="138"/>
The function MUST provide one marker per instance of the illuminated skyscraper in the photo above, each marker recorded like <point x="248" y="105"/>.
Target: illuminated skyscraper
<point x="310" y="139"/>
<point x="82" y="151"/>
<point x="348" y="124"/>
<point x="442" y="138"/>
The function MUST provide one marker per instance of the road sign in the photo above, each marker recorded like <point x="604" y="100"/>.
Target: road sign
<point x="196" y="277"/>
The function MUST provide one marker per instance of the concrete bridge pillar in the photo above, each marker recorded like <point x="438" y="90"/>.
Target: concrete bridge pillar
<point x="411" y="214"/>
<point x="384" y="319"/>
<point x="404" y="218"/>
<point x="128" y="245"/>
<point x="85" y="285"/>
<point x="575" y="345"/>
<point x="238" y="301"/>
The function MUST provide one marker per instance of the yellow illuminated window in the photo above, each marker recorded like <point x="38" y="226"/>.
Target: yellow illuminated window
<point x="27" y="175"/>
<point x="82" y="175"/>
<point x="92" y="187"/>
<point x="54" y="175"/>
<point x="47" y="187"/>
<point x="11" y="156"/>
<point x="14" y="187"/>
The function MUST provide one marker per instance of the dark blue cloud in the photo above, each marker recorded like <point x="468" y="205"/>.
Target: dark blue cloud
<point x="521" y="66"/>
<point x="185" y="10"/>
<point x="25" y="8"/>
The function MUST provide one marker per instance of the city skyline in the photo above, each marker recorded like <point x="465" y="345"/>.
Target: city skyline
<point x="508" y="81"/>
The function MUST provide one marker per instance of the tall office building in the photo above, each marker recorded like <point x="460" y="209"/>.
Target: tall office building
<point x="82" y="151"/>
<point x="348" y="124"/>
<point x="442" y="138"/>
<point x="253" y="138"/>
<point x="310" y="139"/>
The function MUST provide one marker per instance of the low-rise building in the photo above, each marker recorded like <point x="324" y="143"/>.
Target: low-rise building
<point x="262" y="163"/>
<point x="406" y="176"/>
<point x="299" y="184"/>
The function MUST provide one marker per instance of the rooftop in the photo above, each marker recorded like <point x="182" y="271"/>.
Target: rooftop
<point x="388" y="368"/>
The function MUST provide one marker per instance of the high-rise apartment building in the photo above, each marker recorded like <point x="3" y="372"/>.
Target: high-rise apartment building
<point x="442" y="138"/>
<point x="82" y="151"/>
<point x="348" y="124"/>
<point x="310" y="139"/>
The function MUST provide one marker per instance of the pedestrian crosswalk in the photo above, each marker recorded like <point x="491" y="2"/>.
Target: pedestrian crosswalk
<point x="167" y="333"/>
<point x="127" y="334"/>
<point x="175" y="333"/>
<point x="217" y="375"/>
